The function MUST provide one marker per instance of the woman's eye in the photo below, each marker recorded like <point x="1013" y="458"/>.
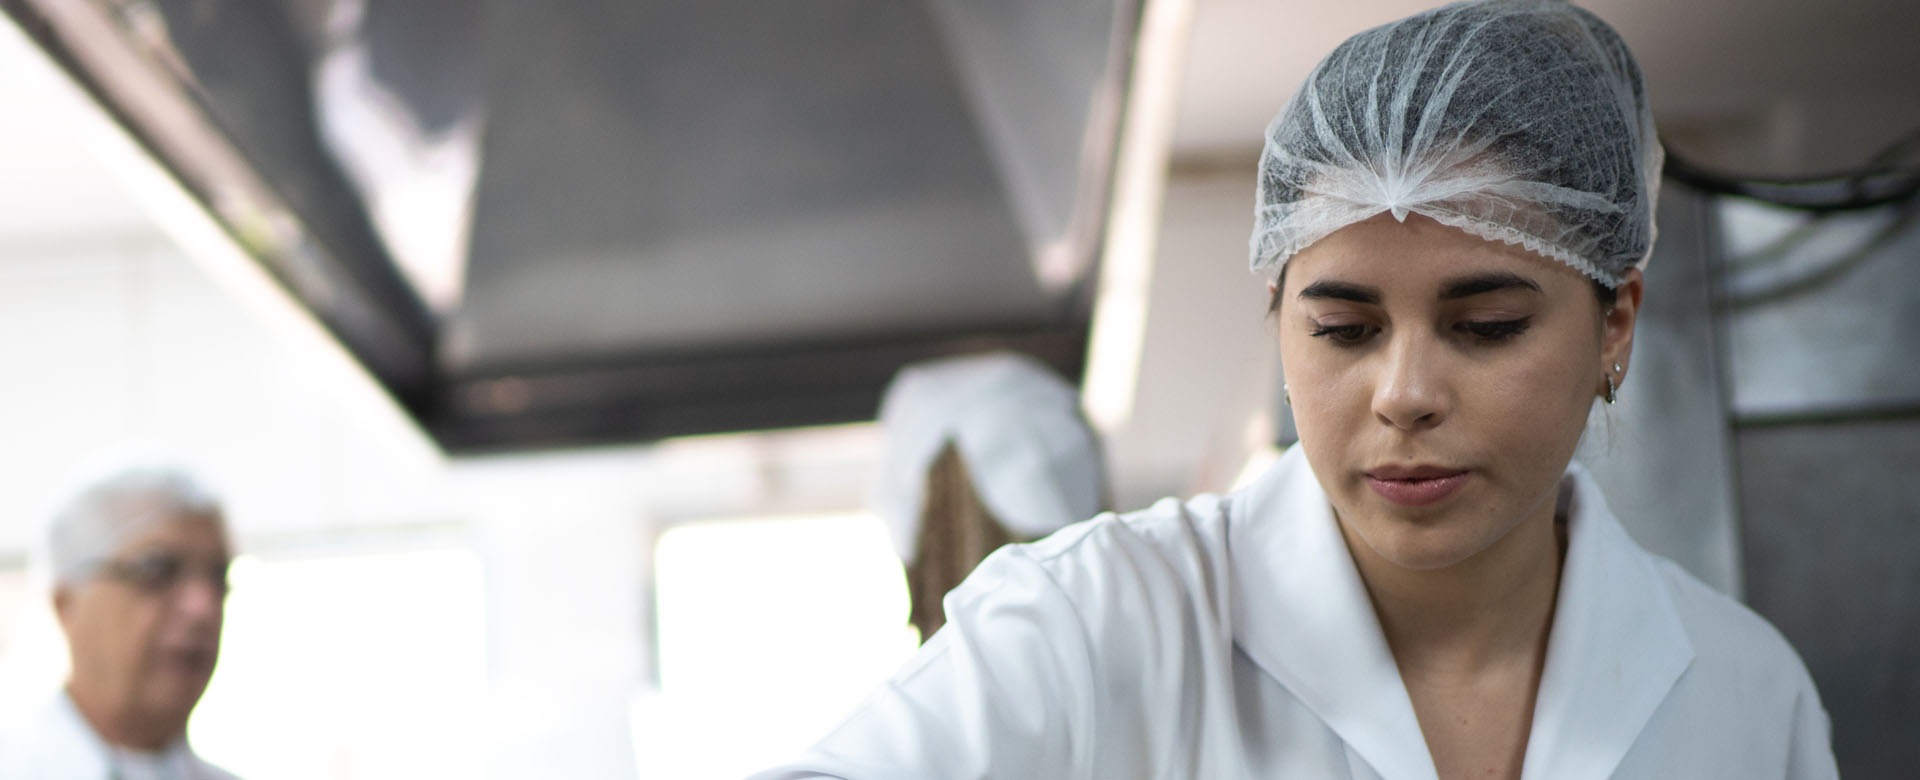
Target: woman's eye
<point x="1342" y="335"/>
<point x="1494" y="331"/>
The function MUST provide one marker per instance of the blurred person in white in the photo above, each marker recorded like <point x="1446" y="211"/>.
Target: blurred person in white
<point x="982" y="450"/>
<point x="1454" y="210"/>
<point x="138" y="555"/>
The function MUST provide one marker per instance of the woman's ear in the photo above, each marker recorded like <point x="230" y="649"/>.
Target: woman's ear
<point x="1616" y="326"/>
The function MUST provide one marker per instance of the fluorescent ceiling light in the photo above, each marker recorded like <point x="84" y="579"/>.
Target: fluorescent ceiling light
<point x="1120" y="304"/>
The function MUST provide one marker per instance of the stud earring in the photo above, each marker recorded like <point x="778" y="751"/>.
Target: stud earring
<point x="1284" y="398"/>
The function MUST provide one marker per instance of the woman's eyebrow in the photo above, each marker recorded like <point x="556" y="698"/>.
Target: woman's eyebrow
<point x="1341" y="291"/>
<point x="1476" y="284"/>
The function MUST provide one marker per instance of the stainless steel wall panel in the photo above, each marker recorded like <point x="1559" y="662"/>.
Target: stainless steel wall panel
<point x="1832" y="541"/>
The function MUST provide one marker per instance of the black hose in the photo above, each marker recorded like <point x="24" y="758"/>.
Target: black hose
<point x="1883" y="181"/>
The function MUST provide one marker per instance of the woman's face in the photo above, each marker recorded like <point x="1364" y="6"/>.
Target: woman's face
<point x="1440" y="382"/>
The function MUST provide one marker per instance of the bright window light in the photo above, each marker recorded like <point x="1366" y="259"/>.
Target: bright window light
<point x="350" y="667"/>
<point x="770" y="631"/>
<point x="33" y="655"/>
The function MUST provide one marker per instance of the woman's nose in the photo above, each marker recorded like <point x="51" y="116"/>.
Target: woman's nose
<point x="1410" y="392"/>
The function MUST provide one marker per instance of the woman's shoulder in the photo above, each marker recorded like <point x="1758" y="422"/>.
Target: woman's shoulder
<point x="1174" y="556"/>
<point x="1169" y="526"/>
<point x="1119" y="573"/>
<point x="1744" y="706"/>
<point x="1171" y="542"/>
<point x="1731" y="641"/>
<point x="1730" y="644"/>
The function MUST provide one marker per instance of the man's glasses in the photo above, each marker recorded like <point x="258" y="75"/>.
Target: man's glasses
<point x="161" y="572"/>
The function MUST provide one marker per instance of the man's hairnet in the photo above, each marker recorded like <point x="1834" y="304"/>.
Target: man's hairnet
<point x="115" y="499"/>
<point x="1031" y="456"/>
<point x="1523" y="121"/>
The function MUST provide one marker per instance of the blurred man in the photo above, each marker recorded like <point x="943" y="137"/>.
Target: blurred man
<point x="139" y="563"/>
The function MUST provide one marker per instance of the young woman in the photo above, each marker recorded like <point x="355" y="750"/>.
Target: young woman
<point x="1455" y="208"/>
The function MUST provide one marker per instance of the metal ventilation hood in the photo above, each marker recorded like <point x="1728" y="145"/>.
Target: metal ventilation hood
<point x="597" y="221"/>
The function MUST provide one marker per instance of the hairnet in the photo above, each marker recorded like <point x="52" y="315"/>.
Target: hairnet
<point x="114" y="500"/>
<point x="1523" y="121"/>
<point x="1017" y="426"/>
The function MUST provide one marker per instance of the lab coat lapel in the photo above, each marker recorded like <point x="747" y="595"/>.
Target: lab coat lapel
<point x="1303" y="616"/>
<point x="1616" y="649"/>
<point x="71" y="746"/>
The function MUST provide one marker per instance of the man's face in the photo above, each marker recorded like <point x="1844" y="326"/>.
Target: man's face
<point x="144" y="630"/>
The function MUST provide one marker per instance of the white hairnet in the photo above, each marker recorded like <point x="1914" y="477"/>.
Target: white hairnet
<point x="1018" y="427"/>
<point x="115" y="499"/>
<point x="1523" y="121"/>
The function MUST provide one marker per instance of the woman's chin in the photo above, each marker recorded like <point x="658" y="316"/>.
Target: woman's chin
<point x="1429" y="545"/>
<point x="1427" y="558"/>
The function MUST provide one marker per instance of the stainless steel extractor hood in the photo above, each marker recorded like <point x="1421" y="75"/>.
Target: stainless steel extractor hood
<point x="570" y="223"/>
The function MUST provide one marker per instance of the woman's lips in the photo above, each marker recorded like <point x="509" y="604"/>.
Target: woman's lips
<point x="1417" y="485"/>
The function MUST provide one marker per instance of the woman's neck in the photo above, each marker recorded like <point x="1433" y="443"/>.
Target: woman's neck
<point x="1490" y="611"/>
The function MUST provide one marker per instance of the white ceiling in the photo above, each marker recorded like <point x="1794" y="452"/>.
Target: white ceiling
<point x="52" y="183"/>
<point x="1708" y="63"/>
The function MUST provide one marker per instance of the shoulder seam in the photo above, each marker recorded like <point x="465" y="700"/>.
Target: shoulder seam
<point x="1084" y="739"/>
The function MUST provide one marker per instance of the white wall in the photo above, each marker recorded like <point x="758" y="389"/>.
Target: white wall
<point x="1208" y="363"/>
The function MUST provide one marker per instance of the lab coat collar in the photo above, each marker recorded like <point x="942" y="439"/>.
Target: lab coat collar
<point x="1301" y="613"/>
<point x="1616" y="650"/>
<point x="69" y="736"/>
<point x="80" y="750"/>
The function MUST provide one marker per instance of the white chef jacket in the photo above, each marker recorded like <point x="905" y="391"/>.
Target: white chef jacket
<point x="59" y="744"/>
<point x="1231" y="637"/>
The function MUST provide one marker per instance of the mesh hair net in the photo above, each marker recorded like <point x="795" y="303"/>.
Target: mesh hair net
<point x="1031" y="456"/>
<point x="1523" y="121"/>
<point x="114" y="499"/>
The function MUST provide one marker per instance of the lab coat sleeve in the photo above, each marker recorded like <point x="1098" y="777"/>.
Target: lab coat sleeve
<point x="1004" y="690"/>
<point x="1810" y="754"/>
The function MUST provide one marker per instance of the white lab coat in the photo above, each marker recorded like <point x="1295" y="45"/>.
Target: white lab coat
<point x="59" y="744"/>
<point x="1231" y="637"/>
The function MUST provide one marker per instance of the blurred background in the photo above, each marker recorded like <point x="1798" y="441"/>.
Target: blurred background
<point x="536" y="346"/>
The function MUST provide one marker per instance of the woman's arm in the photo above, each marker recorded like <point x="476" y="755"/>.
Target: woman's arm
<point x="1810" y="751"/>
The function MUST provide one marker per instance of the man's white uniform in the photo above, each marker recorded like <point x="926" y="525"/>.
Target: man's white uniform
<point x="1231" y="637"/>
<point x="58" y="744"/>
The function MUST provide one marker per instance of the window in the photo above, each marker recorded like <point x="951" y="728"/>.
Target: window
<point x="33" y="657"/>
<point x="770" y="630"/>
<point x="350" y="667"/>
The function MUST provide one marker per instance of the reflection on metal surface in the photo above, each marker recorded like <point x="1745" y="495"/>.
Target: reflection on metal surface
<point x="1015" y="59"/>
<point x="120" y="54"/>
<point x="1807" y="250"/>
<point x="397" y="99"/>
<point x="1823" y="315"/>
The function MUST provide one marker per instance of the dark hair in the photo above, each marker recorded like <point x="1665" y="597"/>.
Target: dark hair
<point x="1604" y="294"/>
